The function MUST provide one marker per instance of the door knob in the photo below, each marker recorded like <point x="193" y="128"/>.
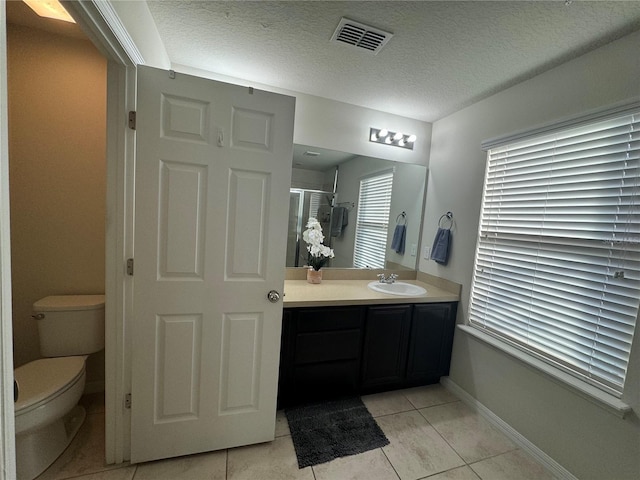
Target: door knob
<point x="273" y="296"/>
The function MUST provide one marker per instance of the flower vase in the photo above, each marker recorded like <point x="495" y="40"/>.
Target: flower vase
<point x="314" y="276"/>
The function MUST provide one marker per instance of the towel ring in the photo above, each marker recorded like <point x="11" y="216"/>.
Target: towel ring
<point x="447" y="216"/>
<point x="402" y="216"/>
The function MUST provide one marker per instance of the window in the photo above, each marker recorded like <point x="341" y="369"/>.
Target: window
<point x="557" y="267"/>
<point x="374" y="204"/>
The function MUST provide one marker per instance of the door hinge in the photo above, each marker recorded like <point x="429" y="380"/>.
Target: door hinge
<point x="130" y="266"/>
<point x="127" y="400"/>
<point x="132" y="120"/>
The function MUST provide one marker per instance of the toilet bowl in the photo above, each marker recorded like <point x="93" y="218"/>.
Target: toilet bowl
<point x="47" y="414"/>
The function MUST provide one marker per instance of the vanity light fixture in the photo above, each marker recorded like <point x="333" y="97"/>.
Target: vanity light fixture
<point x="396" y="139"/>
<point x="50" y="9"/>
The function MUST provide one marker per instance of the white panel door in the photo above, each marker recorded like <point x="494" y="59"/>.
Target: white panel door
<point x="213" y="171"/>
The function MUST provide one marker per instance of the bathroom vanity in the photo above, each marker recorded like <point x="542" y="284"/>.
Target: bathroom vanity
<point x="340" y="338"/>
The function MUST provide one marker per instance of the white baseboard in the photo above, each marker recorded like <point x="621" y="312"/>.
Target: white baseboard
<point x="557" y="470"/>
<point x="94" y="387"/>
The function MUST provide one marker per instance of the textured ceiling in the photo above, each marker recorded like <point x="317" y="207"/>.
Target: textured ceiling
<point x="443" y="55"/>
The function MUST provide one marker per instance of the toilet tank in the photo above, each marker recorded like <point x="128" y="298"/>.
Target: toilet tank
<point x="70" y="324"/>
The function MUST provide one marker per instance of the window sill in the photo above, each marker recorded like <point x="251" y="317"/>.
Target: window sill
<point x="602" y="399"/>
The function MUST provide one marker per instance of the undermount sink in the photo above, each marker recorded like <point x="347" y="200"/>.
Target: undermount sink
<point x="397" y="288"/>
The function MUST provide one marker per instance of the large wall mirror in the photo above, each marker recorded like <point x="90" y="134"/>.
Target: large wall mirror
<point x="359" y="226"/>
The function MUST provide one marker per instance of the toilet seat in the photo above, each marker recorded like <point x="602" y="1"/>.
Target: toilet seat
<point x="42" y="380"/>
<point x="47" y="414"/>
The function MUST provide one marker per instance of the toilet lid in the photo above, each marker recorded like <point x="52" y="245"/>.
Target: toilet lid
<point x="65" y="303"/>
<point x="41" y="379"/>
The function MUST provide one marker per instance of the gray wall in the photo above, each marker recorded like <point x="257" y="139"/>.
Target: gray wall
<point x="581" y="436"/>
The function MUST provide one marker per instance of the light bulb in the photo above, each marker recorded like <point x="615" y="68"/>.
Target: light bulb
<point x="397" y="136"/>
<point x="383" y="132"/>
<point x="388" y="140"/>
<point x="411" y="139"/>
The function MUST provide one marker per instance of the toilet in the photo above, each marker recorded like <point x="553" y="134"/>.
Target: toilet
<point x="47" y="414"/>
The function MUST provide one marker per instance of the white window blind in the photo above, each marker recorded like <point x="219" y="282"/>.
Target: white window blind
<point x="374" y="204"/>
<point x="314" y="204"/>
<point x="557" y="268"/>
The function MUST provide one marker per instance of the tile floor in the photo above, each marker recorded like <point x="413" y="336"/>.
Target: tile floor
<point x="432" y="435"/>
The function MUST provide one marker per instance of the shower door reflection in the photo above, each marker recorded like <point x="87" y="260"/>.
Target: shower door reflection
<point x="302" y="205"/>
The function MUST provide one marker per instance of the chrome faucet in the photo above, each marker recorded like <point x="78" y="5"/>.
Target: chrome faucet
<point x="384" y="279"/>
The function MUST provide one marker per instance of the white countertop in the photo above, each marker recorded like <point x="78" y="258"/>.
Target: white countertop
<point x="300" y="293"/>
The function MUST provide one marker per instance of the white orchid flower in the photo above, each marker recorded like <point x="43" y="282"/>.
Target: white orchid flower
<point x="318" y="253"/>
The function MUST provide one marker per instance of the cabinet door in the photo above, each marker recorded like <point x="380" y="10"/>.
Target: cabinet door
<point x="430" y="342"/>
<point x="385" y="346"/>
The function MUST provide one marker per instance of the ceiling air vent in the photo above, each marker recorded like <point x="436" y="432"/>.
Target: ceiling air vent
<point x="361" y="36"/>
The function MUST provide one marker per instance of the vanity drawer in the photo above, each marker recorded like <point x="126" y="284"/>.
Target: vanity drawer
<point x="327" y="346"/>
<point x="329" y="318"/>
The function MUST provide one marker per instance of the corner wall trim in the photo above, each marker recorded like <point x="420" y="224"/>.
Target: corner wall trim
<point x="557" y="470"/>
<point x="103" y="26"/>
<point x="124" y="39"/>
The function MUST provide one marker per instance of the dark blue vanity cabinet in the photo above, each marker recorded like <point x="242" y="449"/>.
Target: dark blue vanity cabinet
<point x="332" y="352"/>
